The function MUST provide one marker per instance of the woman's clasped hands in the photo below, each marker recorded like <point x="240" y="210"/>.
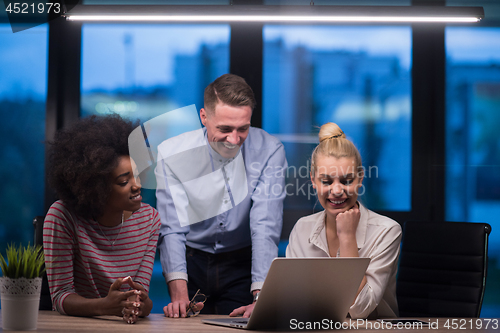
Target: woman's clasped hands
<point x="130" y="304"/>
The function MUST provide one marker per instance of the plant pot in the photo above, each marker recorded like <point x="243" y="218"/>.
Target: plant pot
<point x="20" y="301"/>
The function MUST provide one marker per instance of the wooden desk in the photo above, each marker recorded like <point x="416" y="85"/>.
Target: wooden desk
<point x="51" y="321"/>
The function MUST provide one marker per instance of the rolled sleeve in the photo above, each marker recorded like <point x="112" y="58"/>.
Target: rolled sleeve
<point x="175" y="276"/>
<point x="364" y="303"/>
<point x="378" y="274"/>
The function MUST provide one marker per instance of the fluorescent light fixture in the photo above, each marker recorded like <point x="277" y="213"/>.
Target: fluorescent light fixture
<point x="275" y="14"/>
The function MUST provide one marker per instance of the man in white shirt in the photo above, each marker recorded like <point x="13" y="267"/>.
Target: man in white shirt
<point x="220" y="197"/>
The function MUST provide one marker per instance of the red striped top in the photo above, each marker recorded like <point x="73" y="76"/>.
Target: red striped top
<point x="80" y="259"/>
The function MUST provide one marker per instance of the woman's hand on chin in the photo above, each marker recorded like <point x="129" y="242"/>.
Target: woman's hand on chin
<point x="347" y="222"/>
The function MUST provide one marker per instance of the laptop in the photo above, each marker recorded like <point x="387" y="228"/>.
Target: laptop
<point x="303" y="290"/>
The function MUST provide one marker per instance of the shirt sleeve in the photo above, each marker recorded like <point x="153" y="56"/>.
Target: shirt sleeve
<point x="266" y="215"/>
<point x="383" y="262"/>
<point x="145" y="271"/>
<point x="172" y="237"/>
<point x="58" y="244"/>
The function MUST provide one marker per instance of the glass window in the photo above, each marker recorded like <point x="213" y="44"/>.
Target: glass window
<point x="144" y="71"/>
<point x="473" y="139"/>
<point x="23" y="89"/>
<point x="357" y="77"/>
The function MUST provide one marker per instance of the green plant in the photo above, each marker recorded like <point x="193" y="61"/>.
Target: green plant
<point x="24" y="262"/>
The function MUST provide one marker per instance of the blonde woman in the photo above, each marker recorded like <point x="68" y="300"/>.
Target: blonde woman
<point x="345" y="228"/>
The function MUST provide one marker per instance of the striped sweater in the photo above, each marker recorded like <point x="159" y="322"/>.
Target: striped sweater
<point x="80" y="259"/>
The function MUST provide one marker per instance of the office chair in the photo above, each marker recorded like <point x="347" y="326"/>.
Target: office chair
<point x="45" y="300"/>
<point x="442" y="269"/>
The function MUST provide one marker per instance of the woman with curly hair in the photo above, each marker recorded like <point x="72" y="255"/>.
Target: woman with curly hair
<point x="99" y="239"/>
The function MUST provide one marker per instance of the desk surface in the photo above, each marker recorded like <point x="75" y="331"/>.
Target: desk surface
<point x="51" y="321"/>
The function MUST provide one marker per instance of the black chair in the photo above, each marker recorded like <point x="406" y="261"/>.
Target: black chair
<point x="45" y="300"/>
<point x="442" y="269"/>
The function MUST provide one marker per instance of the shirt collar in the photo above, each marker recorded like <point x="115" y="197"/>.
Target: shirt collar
<point x="318" y="233"/>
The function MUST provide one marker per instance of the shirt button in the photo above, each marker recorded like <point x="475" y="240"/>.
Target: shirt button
<point x="225" y="201"/>
<point x="218" y="242"/>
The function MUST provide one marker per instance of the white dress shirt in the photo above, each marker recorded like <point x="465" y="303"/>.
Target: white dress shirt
<point x="378" y="238"/>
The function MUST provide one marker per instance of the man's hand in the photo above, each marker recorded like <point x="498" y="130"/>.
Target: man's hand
<point x="180" y="300"/>
<point x="244" y="311"/>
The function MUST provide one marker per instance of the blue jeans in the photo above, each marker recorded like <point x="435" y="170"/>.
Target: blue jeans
<point x="224" y="277"/>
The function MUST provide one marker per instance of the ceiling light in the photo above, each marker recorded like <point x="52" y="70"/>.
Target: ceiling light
<point x="275" y="14"/>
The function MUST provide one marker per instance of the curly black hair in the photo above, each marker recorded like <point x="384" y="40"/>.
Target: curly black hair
<point x="81" y="159"/>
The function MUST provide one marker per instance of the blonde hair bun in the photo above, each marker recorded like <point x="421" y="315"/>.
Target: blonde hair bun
<point x="330" y="131"/>
<point x="333" y="142"/>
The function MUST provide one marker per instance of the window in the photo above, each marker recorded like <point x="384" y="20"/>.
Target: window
<point x="472" y="139"/>
<point x="357" y="77"/>
<point x="23" y="87"/>
<point x="144" y="71"/>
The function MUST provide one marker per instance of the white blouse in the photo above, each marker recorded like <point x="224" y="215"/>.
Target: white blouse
<point x="378" y="238"/>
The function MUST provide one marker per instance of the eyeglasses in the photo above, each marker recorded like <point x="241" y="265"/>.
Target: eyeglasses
<point x="197" y="298"/>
